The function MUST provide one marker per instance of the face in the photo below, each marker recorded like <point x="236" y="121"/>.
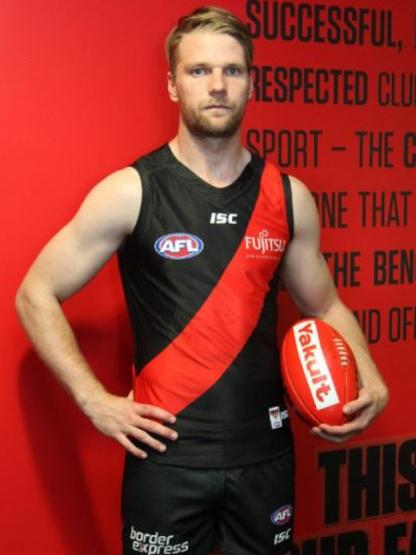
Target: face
<point x="210" y="83"/>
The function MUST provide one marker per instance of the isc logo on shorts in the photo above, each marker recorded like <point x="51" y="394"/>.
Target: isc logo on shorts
<point x="282" y="536"/>
<point x="281" y="516"/>
<point x="178" y="246"/>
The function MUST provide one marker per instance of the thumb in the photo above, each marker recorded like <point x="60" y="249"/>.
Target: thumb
<point x="348" y="408"/>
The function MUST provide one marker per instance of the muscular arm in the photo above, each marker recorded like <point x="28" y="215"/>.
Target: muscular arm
<point x="307" y="278"/>
<point x="72" y="257"/>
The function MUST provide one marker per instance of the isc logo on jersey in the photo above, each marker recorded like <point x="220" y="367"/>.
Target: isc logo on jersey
<point x="178" y="246"/>
<point x="221" y="218"/>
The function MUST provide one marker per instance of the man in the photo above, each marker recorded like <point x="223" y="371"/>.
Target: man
<point x="201" y="226"/>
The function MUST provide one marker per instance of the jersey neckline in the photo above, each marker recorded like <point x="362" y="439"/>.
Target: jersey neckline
<point x="202" y="186"/>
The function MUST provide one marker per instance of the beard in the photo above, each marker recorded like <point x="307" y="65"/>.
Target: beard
<point x="202" y="125"/>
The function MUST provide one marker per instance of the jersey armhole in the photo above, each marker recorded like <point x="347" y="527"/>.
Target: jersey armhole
<point x="140" y="220"/>
<point x="287" y="189"/>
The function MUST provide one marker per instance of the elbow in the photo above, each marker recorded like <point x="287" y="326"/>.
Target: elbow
<point x="29" y="297"/>
<point x="34" y="297"/>
<point x="21" y="301"/>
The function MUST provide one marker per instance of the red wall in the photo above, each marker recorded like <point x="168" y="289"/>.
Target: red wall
<point x="83" y="93"/>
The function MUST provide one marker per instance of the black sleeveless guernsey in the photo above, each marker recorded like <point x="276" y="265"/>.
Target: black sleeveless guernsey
<point x="200" y="273"/>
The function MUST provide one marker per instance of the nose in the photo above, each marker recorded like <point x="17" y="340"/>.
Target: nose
<point x="217" y="81"/>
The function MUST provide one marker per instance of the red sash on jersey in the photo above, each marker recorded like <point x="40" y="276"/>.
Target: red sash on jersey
<point x="210" y="342"/>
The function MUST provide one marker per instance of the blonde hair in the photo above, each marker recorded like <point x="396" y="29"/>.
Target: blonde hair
<point x="209" y="18"/>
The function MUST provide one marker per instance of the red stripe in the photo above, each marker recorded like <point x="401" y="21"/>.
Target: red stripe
<point x="199" y="356"/>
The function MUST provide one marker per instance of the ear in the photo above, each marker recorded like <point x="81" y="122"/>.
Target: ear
<point x="251" y="87"/>
<point x="173" y="94"/>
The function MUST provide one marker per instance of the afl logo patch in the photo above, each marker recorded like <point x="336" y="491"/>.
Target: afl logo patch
<point x="178" y="246"/>
<point x="281" y="516"/>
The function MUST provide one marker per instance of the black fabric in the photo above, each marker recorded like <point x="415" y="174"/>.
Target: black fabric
<point x="289" y="205"/>
<point x="246" y="510"/>
<point x="230" y="423"/>
<point x="162" y="295"/>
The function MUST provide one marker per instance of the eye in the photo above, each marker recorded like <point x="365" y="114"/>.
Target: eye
<point x="233" y="71"/>
<point x="198" y="71"/>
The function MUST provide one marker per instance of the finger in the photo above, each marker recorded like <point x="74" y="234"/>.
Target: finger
<point x="130" y="395"/>
<point x="130" y="447"/>
<point x="150" y="411"/>
<point x="144" y="437"/>
<point x="363" y="401"/>
<point x="354" y="426"/>
<point x="156" y="428"/>
<point x="333" y="438"/>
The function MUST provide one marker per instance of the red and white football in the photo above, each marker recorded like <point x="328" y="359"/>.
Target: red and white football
<point x="319" y="372"/>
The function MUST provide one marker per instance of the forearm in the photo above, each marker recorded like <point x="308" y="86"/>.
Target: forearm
<point x="53" y="339"/>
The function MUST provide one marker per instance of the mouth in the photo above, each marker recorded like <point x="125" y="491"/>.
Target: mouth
<point x="217" y="107"/>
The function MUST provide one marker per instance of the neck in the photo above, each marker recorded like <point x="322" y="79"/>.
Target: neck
<point x="219" y="161"/>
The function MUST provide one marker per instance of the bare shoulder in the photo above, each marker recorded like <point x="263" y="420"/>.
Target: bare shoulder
<point x="117" y="198"/>
<point x="301" y="194"/>
<point x="123" y="180"/>
<point x="305" y="213"/>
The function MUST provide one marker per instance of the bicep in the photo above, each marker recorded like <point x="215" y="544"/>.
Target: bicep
<point x="67" y="263"/>
<point x="304" y="270"/>
<point x="76" y="253"/>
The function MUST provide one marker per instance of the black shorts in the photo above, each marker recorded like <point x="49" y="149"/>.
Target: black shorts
<point x="245" y="510"/>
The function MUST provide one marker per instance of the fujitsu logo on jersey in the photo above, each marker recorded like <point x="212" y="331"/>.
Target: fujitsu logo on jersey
<point x="264" y="246"/>
<point x="178" y="246"/>
<point x="314" y="365"/>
